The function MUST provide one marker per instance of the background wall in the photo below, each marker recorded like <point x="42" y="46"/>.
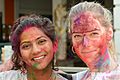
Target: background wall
<point x="2" y="9"/>
<point x="44" y="7"/>
<point x="0" y="5"/>
<point x="116" y="14"/>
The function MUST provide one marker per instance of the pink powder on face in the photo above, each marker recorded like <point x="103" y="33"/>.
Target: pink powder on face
<point x="85" y="22"/>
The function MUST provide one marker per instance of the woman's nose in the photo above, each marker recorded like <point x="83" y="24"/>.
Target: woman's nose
<point x="85" y="41"/>
<point x="36" y="49"/>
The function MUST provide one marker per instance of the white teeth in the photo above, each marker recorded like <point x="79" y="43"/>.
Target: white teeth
<point x="39" y="57"/>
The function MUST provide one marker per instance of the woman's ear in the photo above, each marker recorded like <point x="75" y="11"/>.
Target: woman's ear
<point x="109" y="34"/>
<point x="55" y="46"/>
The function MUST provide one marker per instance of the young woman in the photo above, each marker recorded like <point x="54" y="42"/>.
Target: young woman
<point x="34" y="44"/>
<point x="91" y="33"/>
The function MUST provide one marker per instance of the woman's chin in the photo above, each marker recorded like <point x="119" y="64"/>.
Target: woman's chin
<point x="89" y="54"/>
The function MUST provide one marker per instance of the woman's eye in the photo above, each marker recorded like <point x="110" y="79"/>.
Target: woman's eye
<point x="26" y="46"/>
<point x="95" y="34"/>
<point x="41" y="41"/>
<point x="77" y="36"/>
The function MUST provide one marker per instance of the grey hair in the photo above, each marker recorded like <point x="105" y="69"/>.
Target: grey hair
<point x="92" y="7"/>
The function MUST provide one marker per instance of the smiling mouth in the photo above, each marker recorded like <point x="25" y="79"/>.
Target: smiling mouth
<point x="41" y="57"/>
<point x="89" y="51"/>
<point x="38" y="59"/>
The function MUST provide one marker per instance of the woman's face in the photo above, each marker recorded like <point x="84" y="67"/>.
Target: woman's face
<point x="88" y="38"/>
<point x="36" y="48"/>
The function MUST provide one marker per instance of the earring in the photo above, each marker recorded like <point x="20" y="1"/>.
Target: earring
<point x="73" y="50"/>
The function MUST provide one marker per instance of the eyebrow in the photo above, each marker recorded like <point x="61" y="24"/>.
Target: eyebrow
<point x="87" y="31"/>
<point x="35" y="40"/>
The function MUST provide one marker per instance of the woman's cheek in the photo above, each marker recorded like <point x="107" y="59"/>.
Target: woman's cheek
<point x="96" y="43"/>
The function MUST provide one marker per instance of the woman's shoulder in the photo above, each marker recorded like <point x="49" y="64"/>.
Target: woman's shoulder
<point x="79" y="75"/>
<point x="12" y="75"/>
<point x="116" y="71"/>
<point x="59" y="76"/>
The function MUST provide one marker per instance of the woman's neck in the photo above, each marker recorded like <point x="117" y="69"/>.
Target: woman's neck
<point x="35" y="74"/>
<point x="105" y="63"/>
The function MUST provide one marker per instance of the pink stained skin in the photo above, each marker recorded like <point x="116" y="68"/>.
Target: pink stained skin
<point x="34" y="44"/>
<point x="89" y="40"/>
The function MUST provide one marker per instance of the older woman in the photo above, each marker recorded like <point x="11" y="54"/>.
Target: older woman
<point x="91" y="33"/>
<point x="34" y="44"/>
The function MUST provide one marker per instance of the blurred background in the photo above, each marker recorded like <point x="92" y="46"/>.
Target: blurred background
<point x="57" y="11"/>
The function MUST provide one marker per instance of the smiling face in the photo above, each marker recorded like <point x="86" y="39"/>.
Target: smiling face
<point x="88" y="38"/>
<point x="36" y="48"/>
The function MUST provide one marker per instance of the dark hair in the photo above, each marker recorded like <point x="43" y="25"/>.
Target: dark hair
<point x="22" y="23"/>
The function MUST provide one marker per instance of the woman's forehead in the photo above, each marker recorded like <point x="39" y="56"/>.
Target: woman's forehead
<point x="85" y="22"/>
